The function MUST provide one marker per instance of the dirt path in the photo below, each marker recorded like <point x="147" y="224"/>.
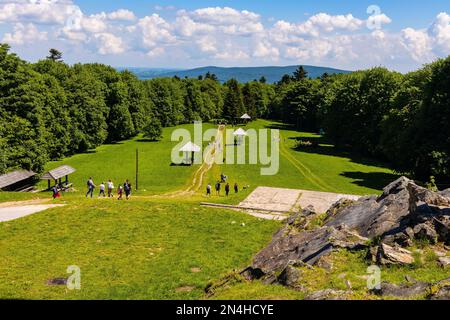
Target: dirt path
<point x="197" y="179"/>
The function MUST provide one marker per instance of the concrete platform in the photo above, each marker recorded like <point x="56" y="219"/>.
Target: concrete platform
<point x="279" y="200"/>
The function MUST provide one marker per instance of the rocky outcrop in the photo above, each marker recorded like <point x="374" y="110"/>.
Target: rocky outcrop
<point x="440" y="291"/>
<point x="405" y="211"/>
<point x="402" y="213"/>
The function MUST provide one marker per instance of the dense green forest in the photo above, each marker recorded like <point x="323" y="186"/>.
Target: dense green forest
<point x="49" y="110"/>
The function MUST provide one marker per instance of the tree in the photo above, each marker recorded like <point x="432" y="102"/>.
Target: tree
<point x="55" y="55"/>
<point x="263" y="79"/>
<point x="233" y="102"/>
<point x="300" y="74"/>
<point x="153" y="130"/>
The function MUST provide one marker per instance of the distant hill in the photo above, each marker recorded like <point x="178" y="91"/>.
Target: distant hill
<point x="242" y="74"/>
<point x="148" y="73"/>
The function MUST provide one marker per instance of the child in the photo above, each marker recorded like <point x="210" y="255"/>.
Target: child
<point x="236" y="188"/>
<point x="110" y="189"/>
<point x="102" y="190"/>
<point x="208" y="190"/>
<point x="227" y="189"/>
<point x="120" y="192"/>
<point x="56" y="193"/>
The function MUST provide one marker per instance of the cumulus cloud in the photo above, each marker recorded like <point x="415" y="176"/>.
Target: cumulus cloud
<point x="24" y="34"/>
<point x="225" y="35"/>
<point x="109" y="44"/>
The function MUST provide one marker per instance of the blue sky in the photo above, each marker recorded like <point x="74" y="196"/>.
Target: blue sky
<point x="401" y="35"/>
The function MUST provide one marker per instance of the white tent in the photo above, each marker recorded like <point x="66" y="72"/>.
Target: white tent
<point x="240" y="134"/>
<point x="246" y="117"/>
<point x="189" y="149"/>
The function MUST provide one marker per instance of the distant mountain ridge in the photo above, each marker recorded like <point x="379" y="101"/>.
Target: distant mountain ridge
<point x="242" y="74"/>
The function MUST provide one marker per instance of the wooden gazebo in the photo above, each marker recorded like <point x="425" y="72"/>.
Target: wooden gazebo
<point x="20" y="180"/>
<point x="57" y="174"/>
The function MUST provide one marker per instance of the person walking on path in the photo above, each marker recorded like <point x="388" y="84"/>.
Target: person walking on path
<point x="56" y="193"/>
<point x="120" y="192"/>
<point x="227" y="189"/>
<point x="91" y="187"/>
<point x="102" y="190"/>
<point x="127" y="188"/>
<point x="208" y="190"/>
<point x="110" y="189"/>
<point x="236" y="188"/>
<point x="218" y="187"/>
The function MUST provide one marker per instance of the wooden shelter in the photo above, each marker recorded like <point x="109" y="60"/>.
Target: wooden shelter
<point x="57" y="174"/>
<point x="189" y="149"/>
<point x="20" y="180"/>
<point x="239" y="134"/>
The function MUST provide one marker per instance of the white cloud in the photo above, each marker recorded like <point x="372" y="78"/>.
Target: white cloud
<point x="109" y="44"/>
<point x="224" y="35"/>
<point x="24" y="34"/>
<point x="122" y="15"/>
<point x="44" y="11"/>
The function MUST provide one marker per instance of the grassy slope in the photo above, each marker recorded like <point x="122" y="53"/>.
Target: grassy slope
<point x="319" y="169"/>
<point x="126" y="250"/>
<point x="145" y="249"/>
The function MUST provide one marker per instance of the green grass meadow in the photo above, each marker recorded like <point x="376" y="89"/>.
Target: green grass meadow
<point x="161" y="247"/>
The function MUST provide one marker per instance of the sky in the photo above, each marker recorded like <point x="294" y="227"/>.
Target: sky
<point x="400" y="35"/>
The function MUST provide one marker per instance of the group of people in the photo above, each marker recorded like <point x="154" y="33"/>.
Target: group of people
<point x="125" y="188"/>
<point x="218" y="187"/>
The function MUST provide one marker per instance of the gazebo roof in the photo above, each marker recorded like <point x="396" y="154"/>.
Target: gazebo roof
<point x="190" y="147"/>
<point x="58" y="173"/>
<point x="240" y="132"/>
<point x="246" y="116"/>
<point x="15" y="177"/>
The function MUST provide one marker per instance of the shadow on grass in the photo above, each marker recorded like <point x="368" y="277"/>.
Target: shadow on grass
<point x="322" y="146"/>
<point x="146" y="140"/>
<point x="372" y="180"/>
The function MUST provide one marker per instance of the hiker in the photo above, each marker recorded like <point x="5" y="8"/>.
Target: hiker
<point x="110" y="189"/>
<point x="236" y="188"/>
<point x="56" y="192"/>
<point x="102" y="190"/>
<point x="208" y="190"/>
<point x="91" y="187"/>
<point x="227" y="189"/>
<point x="127" y="188"/>
<point x="218" y="187"/>
<point x="120" y="192"/>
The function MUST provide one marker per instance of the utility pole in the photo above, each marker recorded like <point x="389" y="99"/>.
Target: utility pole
<point x="137" y="169"/>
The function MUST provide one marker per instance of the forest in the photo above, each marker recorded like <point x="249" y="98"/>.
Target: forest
<point x="50" y="110"/>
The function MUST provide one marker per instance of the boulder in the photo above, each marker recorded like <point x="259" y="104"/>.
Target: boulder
<point x="290" y="277"/>
<point x="426" y="231"/>
<point x="393" y="255"/>
<point x="329" y="294"/>
<point x="440" y="291"/>
<point x="405" y="290"/>
<point x="288" y="246"/>
<point x="444" y="261"/>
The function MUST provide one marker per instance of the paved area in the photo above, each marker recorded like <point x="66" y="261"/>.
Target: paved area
<point x="279" y="200"/>
<point x="18" y="211"/>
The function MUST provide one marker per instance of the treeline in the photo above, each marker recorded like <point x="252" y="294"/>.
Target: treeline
<point x="404" y="119"/>
<point x="49" y="110"/>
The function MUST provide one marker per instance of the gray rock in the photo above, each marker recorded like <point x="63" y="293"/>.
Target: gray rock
<point x="329" y="294"/>
<point x="393" y="255"/>
<point x="406" y="290"/>
<point x="306" y="247"/>
<point x="289" y="277"/>
<point x="444" y="261"/>
<point x="425" y="231"/>
<point x="441" y="290"/>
